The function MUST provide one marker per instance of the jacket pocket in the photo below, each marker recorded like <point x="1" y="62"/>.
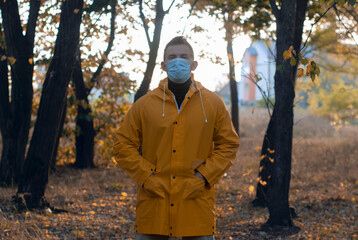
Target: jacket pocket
<point x="194" y="188"/>
<point x="153" y="187"/>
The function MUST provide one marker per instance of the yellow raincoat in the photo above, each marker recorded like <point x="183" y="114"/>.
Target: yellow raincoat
<point x="175" y="143"/>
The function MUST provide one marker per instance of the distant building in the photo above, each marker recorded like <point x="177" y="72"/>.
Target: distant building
<point x="257" y="73"/>
<point x="258" y="62"/>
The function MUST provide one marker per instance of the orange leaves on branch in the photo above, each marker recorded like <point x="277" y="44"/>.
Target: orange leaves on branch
<point x="300" y="72"/>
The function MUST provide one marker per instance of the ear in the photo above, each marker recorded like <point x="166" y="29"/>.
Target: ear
<point x="164" y="66"/>
<point x="193" y="65"/>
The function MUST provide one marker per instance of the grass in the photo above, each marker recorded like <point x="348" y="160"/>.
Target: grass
<point x="100" y="202"/>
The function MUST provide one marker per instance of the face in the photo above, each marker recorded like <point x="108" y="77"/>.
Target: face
<point x="179" y="51"/>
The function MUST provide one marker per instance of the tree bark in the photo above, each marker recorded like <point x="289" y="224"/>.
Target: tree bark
<point x="35" y="173"/>
<point x="289" y="22"/>
<point x="4" y="88"/>
<point x="233" y="84"/>
<point x="85" y="132"/>
<point x="153" y="50"/>
<point x="16" y="115"/>
<point x="53" y="159"/>
<point x="267" y="153"/>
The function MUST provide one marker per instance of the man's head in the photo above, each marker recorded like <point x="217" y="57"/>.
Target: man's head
<point x="179" y="47"/>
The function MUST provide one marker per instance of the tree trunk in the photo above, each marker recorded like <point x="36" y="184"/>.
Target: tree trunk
<point x="85" y="132"/>
<point x="267" y="153"/>
<point x="54" y="154"/>
<point x="289" y="22"/>
<point x="16" y="115"/>
<point x="233" y="84"/>
<point x="4" y="89"/>
<point x="35" y="173"/>
<point x="153" y="51"/>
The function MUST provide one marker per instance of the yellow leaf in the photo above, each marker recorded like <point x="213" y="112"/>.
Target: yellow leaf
<point x="262" y="157"/>
<point x="30" y="60"/>
<point x="12" y="60"/>
<point x="251" y="188"/>
<point x="287" y="54"/>
<point x="76" y="11"/>
<point x="271" y="159"/>
<point x="263" y="183"/>
<point x="293" y="61"/>
<point x="270" y="151"/>
<point x="3" y="58"/>
<point x="79" y="234"/>
<point x="300" y="72"/>
<point x="309" y="70"/>
<point x="124" y="194"/>
<point x="258" y="148"/>
<point x="247" y="173"/>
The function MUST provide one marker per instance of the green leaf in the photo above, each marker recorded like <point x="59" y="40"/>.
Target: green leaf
<point x="317" y="71"/>
<point x="304" y="61"/>
<point x="293" y="61"/>
<point x="341" y="2"/>
<point x="313" y="76"/>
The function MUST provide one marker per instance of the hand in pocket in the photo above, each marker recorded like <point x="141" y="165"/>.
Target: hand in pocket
<point x="194" y="188"/>
<point x="153" y="187"/>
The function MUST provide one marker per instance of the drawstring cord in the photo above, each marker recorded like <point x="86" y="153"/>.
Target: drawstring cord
<point x="164" y="101"/>
<point x="201" y="99"/>
<point x="202" y="106"/>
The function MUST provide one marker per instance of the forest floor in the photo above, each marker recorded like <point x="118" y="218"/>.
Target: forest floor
<point x="101" y="201"/>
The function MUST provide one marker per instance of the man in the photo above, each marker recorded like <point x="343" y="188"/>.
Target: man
<point x="187" y="143"/>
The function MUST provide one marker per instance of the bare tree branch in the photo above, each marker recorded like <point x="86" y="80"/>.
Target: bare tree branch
<point x="145" y="25"/>
<point x="109" y="46"/>
<point x="348" y="30"/>
<point x="275" y="9"/>
<point x="190" y="12"/>
<point x="167" y="11"/>
<point x="313" y="24"/>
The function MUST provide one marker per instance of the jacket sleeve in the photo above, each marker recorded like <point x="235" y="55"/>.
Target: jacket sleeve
<point x="226" y="144"/>
<point x="126" y="147"/>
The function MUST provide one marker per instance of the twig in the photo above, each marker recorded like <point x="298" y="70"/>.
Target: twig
<point x="313" y="24"/>
<point x="145" y="25"/>
<point x="340" y="20"/>
<point x="190" y="12"/>
<point x="167" y="11"/>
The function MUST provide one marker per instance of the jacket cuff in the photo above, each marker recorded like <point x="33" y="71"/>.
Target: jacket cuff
<point x="206" y="175"/>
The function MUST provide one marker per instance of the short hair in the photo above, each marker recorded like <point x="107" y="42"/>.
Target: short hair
<point x="178" y="41"/>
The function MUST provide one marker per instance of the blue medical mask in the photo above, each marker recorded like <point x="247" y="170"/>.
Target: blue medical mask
<point x="178" y="70"/>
